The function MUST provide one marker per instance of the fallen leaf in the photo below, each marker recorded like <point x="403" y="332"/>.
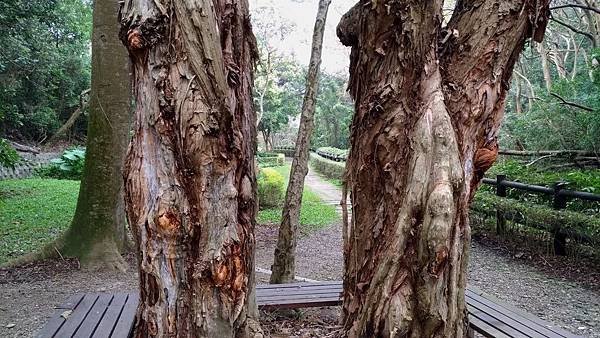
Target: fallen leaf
<point x="66" y="314"/>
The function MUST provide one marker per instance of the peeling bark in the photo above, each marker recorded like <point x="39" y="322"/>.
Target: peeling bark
<point x="189" y="178"/>
<point x="427" y="112"/>
<point x="284" y="264"/>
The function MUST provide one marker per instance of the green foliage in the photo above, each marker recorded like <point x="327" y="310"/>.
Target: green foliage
<point x="538" y="216"/>
<point x="271" y="188"/>
<point x="265" y="159"/>
<point x="579" y="180"/>
<point x="69" y="166"/>
<point x="333" y="113"/>
<point x="334" y="151"/>
<point x="44" y="63"/>
<point x="314" y="214"/>
<point x="327" y="168"/>
<point x="8" y="155"/>
<point x="288" y="151"/>
<point x="34" y="212"/>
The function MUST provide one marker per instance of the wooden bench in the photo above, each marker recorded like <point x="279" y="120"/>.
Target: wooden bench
<point x="113" y="315"/>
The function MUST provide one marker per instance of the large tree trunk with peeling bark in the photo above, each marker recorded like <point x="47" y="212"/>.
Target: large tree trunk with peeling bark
<point x="189" y="177"/>
<point x="428" y="107"/>
<point x="284" y="264"/>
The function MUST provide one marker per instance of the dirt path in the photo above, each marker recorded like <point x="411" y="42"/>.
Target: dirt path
<point x="569" y="304"/>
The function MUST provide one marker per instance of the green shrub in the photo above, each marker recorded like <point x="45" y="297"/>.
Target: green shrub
<point x="270" y="159"/>
<point x="271" y="188"/>
<point x="341" y="153"/>
<point x="327" y="168"/>
<point x="587" y="180"/>
<point x="68" y="167"/>
<point x="288" y="151"/>
<point x="8" y="155"/>
<point x="537" y="216"/>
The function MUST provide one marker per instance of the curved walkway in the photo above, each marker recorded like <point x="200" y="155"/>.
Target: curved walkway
<point x="563" y="302"/>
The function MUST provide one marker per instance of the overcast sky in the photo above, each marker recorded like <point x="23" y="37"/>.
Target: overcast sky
<point x="302" y="14"/>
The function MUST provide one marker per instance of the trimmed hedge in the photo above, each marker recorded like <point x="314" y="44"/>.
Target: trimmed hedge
<point x="327" y="168"/>
<point x="288" y="151"/>
<point x="334" y="154"/>
<point x="270" y="159"/>
<point x="573" y="224"/>
<point x="271" y="188"/>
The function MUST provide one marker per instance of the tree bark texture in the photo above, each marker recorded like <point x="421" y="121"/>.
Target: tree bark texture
<point x="284" y="264"/>
<point x="189" y="177"/>
<point x="98" y="229"/>
<point x="427" y="110"/>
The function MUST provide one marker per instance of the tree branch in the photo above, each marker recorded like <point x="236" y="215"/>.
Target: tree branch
<point x="590" y="36"/>
<point x="589" y="8"/>
<point x="572" y="103"/>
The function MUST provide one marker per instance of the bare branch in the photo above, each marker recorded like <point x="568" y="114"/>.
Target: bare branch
<point x="589" y="8"/>
<point x="572" y="103"/>
<point x="590" y="36"/>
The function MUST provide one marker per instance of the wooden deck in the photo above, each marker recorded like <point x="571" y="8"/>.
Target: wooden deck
<point x="112" y="315"/>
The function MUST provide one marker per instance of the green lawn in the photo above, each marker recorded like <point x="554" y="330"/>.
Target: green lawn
<point x="314" y="213"/>
<point x="33" y="212"/>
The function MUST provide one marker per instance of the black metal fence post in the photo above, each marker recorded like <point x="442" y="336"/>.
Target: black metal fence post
<point x="559" y="202"/>
<point x="500" y="192"/>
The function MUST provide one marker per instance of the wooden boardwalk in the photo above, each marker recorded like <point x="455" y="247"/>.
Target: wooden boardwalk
<point x="113" y="315"/>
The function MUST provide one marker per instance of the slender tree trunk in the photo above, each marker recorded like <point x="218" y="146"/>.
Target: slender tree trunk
<point x="189" y="178"/>
<point x="83" y="103"/>
<point x="98" y="229"/>
<point x="284" y="264"/>
<point x="423" y="134"/>
<point x="518" y="106"/>
<point x="545" y="67"/>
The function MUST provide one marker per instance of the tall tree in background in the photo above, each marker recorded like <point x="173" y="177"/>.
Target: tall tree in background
<point x="284" y="264"/>
<point x="428" y="104"/>
<point x="97" y="232"/>
<point x="269" y="28"/>
<point x="189" y="177"/>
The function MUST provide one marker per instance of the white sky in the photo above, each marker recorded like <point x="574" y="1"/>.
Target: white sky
<point x="302" y="13"/>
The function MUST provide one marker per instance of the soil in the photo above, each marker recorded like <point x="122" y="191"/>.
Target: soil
<point x="549" y="287"/>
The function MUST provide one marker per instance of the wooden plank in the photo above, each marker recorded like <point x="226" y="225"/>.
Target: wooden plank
<point x="497" y="324"/>
<point x="300" y="290"/>
<point x="291" y="304"/>
<point x="126" y="321"/>
<point x="296" y="285"/>
<point x="472" y="306"/>
<point x="75" y="320"/>
<point x="57" y="320"/>
<point x="526" y="318"/>
<point x="484" y="328"/>
<point x="111" y="316"/>
<point x="92" y="320"/>
<point x="303" y="298"/>
<point x="303" y="291"/>
<point x="71" y="302"/>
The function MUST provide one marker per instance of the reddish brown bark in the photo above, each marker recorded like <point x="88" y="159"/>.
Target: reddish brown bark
<point x="189" y="178"/>
<point x="428" y="107"/>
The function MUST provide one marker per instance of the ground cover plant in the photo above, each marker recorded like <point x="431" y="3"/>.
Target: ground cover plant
<point x="314" y="213"/>
<point x="33" y="212"/>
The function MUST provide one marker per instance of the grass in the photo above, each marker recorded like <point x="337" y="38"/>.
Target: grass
<point x="34" y="212"/>
<point x="314" y="213"/>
